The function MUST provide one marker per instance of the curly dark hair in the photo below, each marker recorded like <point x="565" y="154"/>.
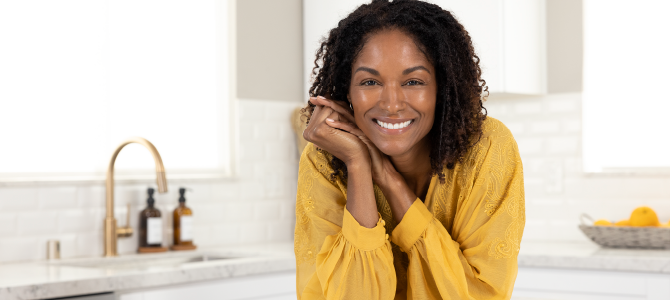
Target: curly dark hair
<point x="459" y="112"/>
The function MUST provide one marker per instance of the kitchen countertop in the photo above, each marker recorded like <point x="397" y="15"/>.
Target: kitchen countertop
<point x="69" y="277"/>
<point x="36" y="280"/>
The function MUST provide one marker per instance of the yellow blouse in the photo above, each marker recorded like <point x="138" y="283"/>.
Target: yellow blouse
<point x="462" y="242"/>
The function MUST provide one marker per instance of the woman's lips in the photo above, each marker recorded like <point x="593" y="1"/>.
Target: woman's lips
<point x="394" y="126"/>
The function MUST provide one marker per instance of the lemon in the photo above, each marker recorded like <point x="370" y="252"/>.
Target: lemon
<point x="644" y="216"/>
<point x="602" y="222"/>
<point x="622" y="223"/>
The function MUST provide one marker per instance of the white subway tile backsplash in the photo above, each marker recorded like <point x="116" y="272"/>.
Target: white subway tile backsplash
<point x="563" y="145"/>
<point x="8" y="224"/>
<point x="241" y="211"/>
<point x="267" y="211"/>
<point x="226" y="191"/>
<point x="209" y="213"/>
<point x="545" y="127"/>
<point x="18" y="198"/>
<point x="227" y="234"/>
<point x="562" y="105"/>
<point x="76" y="221"/>
<point x="40" y="222"/>
<point x="529" y="145"/>
<point x="57" y="197"/>
<point x="253" y="232"/>
<point x="280" y="230"/>
<point x="91" y="196"/>
<point x="20" y="248"/>
<point x="90" y="244"/>
<point x="528" y="107"/>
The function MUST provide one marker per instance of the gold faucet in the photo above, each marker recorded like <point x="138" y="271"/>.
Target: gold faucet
<point x="112" y="232"/>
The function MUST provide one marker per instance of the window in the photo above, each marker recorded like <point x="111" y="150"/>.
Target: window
<point x="625" y="102"/>
<point x="77" y="77"/>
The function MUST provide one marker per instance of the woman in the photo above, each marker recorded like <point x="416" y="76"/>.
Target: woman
<point x="407" y="190"/>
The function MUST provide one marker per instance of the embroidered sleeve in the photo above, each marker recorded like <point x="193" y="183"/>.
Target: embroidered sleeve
<point x="336" y="257"/>
<point x="477" y="258"/>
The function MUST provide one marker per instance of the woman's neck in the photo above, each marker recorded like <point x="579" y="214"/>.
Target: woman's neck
<point x="414" y="166"/>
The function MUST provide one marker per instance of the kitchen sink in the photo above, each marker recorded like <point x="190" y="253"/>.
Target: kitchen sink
<point x="144" y="261"/>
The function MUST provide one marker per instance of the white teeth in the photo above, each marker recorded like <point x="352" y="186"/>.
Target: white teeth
<point x="394" y="125"/>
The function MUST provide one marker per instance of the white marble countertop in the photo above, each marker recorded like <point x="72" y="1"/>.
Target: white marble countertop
<point x="69" y="277"/>
<point x="589" y="256"/>
<point x="38" y="280"/>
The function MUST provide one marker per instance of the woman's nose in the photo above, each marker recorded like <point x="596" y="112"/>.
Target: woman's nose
<point x="392" y="99"/>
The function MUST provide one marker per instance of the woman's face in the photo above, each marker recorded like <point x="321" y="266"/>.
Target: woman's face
<point x="393" y="92"/>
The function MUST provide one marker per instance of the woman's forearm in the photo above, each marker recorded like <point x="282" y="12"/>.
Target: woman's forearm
<point x="360" y="194"/>
<point x="399" y="196"/>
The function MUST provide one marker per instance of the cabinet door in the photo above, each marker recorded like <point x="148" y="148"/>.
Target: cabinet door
<point x="566" y="284"/>
<point x="276" y="286"/>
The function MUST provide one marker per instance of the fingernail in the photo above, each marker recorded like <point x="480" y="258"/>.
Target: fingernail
<point x="321" y="97"/>
<point x="330" y="120"/>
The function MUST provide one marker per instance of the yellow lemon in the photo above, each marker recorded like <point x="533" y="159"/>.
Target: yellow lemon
<point x="622" y="223"/>
<point x="644" y="216"/>
<point x="602" y="222"/>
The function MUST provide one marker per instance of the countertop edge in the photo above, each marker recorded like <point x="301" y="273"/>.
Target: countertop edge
<point x="140" y="280"/>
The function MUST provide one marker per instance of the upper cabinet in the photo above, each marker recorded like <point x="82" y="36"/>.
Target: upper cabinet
<point x="509" y="37"/>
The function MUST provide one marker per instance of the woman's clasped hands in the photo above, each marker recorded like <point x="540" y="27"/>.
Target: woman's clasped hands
<point x="332" y="127"/>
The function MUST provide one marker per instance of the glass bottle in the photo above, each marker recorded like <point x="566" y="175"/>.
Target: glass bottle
<point x="182" y="222"/>
<point x="151" y="224"/>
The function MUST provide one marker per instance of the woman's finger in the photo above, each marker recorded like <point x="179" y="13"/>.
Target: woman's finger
<point x="346" y="126"/>
<point x="338" y="106"/>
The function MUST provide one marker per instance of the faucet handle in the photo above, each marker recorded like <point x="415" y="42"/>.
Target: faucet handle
<point x="125" y="231"/>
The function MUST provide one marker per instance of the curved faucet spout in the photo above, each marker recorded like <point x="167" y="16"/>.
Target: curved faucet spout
<point x="111" y="231"/>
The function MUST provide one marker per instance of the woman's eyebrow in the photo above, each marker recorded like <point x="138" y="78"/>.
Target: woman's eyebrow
<point x="412" y="69"/>
<point x="369" y="70"/>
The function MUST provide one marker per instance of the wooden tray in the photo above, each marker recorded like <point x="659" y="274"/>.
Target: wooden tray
<point x="182" y="247"/>
<point x="152" y="249"/>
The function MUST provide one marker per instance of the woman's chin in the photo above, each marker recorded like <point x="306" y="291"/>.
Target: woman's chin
<point x="392" y="150"/>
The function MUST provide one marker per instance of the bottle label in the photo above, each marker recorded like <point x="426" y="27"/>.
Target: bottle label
<point x="154" y="231"/>
<point x="186" y="229"/>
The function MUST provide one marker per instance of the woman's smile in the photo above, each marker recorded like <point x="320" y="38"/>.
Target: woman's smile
<point x="394" y="126"/>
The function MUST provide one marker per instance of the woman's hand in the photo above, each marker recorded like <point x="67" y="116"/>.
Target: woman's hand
<point x="342" y="144"/>
<point x="383" y="172"/>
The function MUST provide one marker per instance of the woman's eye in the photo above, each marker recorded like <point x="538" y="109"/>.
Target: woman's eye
<point x="369" y="82"/>
<point x="413" y="82"/>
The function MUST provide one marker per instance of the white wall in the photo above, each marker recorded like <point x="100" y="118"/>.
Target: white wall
<point x="256" y="207"/>
<point x="548" y="131"/>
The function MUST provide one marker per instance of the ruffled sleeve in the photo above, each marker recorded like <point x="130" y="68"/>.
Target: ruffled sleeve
<point x="477" y="258"/>
<point x="336" y="257"/>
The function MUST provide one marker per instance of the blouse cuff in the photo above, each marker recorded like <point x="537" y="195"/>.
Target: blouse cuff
<point x="411" y="227"/>
<point x="362" y="237"/>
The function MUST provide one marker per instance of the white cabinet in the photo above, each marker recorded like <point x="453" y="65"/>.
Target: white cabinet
<point x="509" y="37"/>
<point x="568" y="284"/>
<point x="274" y="286"/>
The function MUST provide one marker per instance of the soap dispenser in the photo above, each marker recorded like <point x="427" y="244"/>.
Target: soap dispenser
<point x="151" y="225"/>
<point x="182" y="229"/>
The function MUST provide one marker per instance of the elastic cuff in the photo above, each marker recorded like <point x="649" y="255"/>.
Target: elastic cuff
<point x="411" y="227"/>
<point x="362" y="237"/>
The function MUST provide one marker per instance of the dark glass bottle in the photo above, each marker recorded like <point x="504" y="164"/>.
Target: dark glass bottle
<point x="151" y="224"/>
<point x="182" y="219"/>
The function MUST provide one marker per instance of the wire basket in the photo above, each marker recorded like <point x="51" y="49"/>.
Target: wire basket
<point x="626" y="236"/>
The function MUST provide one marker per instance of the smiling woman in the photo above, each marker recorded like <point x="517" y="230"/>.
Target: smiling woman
<point x="400" y="144"/>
